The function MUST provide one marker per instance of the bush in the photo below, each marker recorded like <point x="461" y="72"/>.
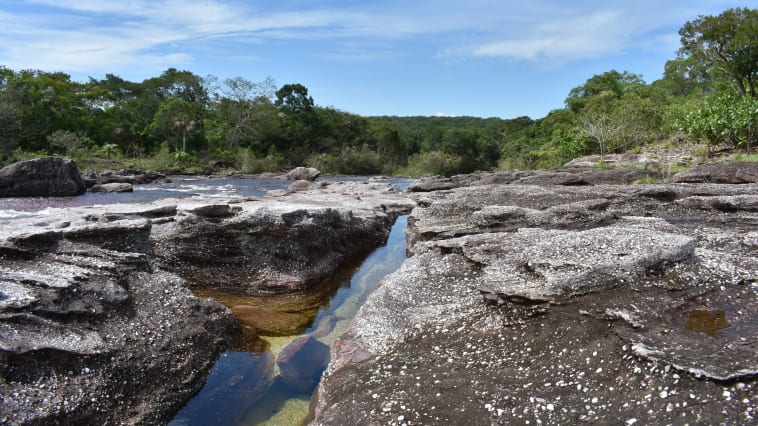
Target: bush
<point x="350" y="161"/>
<point x="432" y="163"/>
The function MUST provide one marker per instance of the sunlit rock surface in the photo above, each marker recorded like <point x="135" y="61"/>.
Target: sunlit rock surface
<point x="97" y="321"/>
<point x="560" y="304"/>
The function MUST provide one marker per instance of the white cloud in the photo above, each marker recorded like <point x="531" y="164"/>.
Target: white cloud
<point x="97" y="35"/>
<point x="562" y="40"/>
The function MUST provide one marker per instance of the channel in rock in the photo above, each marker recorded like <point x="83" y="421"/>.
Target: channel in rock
<point x="98" y="323"/>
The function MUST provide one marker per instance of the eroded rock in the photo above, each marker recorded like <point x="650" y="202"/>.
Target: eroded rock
<point x="95" y="330"/>
<point x="560" y="305"/>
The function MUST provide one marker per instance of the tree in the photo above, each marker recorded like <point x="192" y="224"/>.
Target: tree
<point x="600" y="128"/>
<point x="293" y="98"/>
<point x="175" y="118"/>
<point x="613" y="82"/>
<point x="69" y="140"/>
<point x="724" y="118"/>
<point x="243" y="109"/>
<point x="727" y="45"/>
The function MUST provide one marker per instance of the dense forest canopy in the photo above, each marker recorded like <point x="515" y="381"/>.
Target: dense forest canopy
<point x="181" y="121"/>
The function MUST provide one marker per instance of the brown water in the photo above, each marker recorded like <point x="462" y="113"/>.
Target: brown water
<point x="710" y="322"/>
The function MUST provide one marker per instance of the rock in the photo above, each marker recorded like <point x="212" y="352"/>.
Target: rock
<point x="303" y="173"/>
<point x="434" y="183"/>
<point x="213" y="210"/>
<point x="557" y="305"/>
<point x="95" y="329"/>
<point x="112" y="187"/>
<point x="271" y="322"/>
<point x="302" y="362"/>
<point x="133" y="177"/>
<point x="80" y="317"/>
<point x="732" y="173"/>
<point x="551" y="178"/>
<point x="42" y="177"/>
<point x="613" y="160"/>
<point x="299" y="186"/>
<point x="285" y="247"/>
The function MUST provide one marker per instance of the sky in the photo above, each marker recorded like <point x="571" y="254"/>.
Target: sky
<point x="484" y="58"/>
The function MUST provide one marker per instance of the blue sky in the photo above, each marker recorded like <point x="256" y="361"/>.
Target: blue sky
<point x="385" y="57"/>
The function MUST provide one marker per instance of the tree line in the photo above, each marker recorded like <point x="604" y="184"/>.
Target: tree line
<point x="180" y="121"/>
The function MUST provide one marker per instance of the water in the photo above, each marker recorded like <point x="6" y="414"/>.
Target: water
<point x="179" y="187"/>
<point x="245" y="388"/>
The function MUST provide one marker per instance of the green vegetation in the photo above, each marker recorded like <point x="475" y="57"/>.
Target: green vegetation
<point x="179" y="121"/>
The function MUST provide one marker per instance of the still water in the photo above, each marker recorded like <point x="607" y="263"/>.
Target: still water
<point x="245" y="387"/>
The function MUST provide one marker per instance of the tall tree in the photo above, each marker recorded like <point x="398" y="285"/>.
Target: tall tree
<point x="727" y="45"/>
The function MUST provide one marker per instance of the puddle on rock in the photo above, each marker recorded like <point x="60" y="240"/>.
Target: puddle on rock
<point x="246" y="385"/>
<point x="710" y="322"/>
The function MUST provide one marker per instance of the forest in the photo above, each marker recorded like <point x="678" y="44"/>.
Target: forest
<point x="183" y="123"/>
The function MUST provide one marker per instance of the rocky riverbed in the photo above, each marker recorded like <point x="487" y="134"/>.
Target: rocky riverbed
<point x="97" y="321"/>
<point x="544" y="299"/>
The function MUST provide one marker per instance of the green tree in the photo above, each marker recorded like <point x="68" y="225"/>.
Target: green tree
<point x="724" y="118"/>
<point x="68" y="140"/>
<point x="611" y="82"/>
<point x="174" y="120"/>
<point x="726" y="45"/>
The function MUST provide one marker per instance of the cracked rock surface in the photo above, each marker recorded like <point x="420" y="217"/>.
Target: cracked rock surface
<point x="607" y="304"/>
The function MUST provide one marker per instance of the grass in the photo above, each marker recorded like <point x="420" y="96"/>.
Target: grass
<point x="748" y="158"/>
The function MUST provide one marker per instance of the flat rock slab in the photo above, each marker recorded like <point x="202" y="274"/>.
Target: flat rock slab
<point x="560" y="305"/>
<point x="734" y="173"/>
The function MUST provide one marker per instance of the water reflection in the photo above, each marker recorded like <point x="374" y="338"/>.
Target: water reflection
<point x="246" y="385"/>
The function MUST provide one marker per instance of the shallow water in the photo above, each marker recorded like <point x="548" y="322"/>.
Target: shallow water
<point x="179" y="187"/>
<point x="244" y="388"/>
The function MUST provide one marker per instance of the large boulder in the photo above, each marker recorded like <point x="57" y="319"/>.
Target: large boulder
<point x="303" y="173"/>
<point x="42" y="177"/>
<point x="278" y="247"/>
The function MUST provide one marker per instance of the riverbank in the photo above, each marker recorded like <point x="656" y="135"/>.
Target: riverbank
<point x="546" y="302"/>
<point x="98" y="329"/>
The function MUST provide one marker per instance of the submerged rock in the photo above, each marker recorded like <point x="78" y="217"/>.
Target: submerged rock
<point x="560" y="305"/>
<point x="42" y="177"/>
<point x="302" y="362"/>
